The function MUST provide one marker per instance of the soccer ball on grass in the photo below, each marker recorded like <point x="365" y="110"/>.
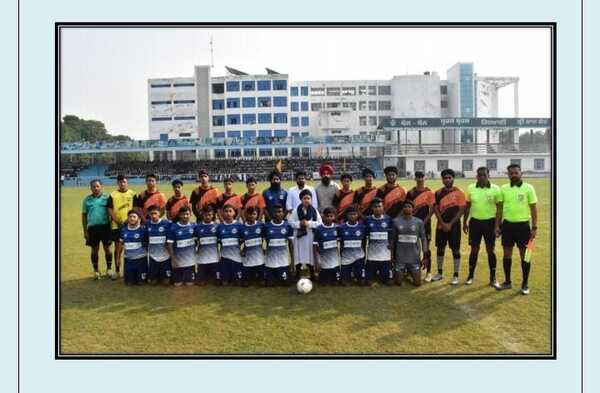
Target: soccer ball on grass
<point x="304" y="286"/>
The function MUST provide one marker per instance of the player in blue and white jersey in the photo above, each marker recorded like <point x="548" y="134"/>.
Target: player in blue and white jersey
<point x="279" y="236"/>
<point x="274" y="195"/>
<point x="325" y="244"/>
<point x="181" y="241"/>
<point x="253" y="254"/>
<point x="229" y="237"/>
<point x="379" y="227"/>
<point x="159" y="266"/>
<point x="134" y="238"/>
<point x="207" y="252"/>
<point x="352" y="248"/>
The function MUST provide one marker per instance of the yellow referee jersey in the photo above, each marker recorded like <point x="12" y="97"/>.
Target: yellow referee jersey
<point x="120" y="203"/>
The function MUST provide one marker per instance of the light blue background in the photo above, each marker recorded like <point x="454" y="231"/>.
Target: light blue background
<point x="39" y="370"/>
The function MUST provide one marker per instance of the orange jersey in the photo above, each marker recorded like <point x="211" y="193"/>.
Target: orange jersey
<point x="363" y="198"/>
<point x="449" y="201"/>
<point x="392" y="198"/>
<point x="342" y="201"/>
<point x="203" y="197"/>
<point x="233" y="200"/>
<point x="423" y="199"/>
<point x="255" y="199"/>
<point x="173" y="206"/>
<point x="145" y="200"/>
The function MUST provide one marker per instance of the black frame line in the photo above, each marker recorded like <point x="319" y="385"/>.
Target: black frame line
<point x="450" y="356"/>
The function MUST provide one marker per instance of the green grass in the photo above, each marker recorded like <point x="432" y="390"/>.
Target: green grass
<point x="106" y="317"/>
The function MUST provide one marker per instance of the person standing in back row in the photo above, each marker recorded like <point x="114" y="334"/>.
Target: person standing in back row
<point x="390" y="193"/>
<point x="326" y="190"/>
<point x="293" y="199"/>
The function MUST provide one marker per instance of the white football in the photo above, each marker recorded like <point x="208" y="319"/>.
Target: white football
<point x="304" y="286"/>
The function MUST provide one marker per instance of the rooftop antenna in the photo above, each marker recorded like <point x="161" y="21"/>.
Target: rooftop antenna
<point x="212" y="63"/>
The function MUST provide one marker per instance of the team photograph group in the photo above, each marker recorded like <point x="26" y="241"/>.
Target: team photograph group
<point x="330" y="233"/>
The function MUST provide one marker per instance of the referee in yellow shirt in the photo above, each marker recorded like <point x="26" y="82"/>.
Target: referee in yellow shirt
<point x="518" y="207"/>
<point x="483" y="199"/>
<point x="120" y="202"/>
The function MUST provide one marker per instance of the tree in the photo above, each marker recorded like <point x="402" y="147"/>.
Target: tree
<point x="74" y="129"/>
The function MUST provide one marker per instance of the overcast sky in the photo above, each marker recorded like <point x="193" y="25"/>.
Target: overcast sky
<point x="104" y="72"/>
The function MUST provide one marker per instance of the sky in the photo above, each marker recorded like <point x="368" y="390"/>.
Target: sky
<point x="104" y="72"/>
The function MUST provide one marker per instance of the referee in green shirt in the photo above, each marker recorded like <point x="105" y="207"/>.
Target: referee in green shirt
<point x="483" y="199"/>
<point x="518" y="207"/>
<point x="96" y="225"/>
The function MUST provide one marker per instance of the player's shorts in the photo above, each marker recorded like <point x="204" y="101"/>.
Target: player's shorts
<point x="230" y="270"/>
<point x="253" y="273"/>
<point x="515" y="233"/>
<point x="206" y="272"/>
<point x="355" y="270"/>
<point x="451" y="238"/>
<point x="482" y="228"/>
<point x="184" y="274"/>
<point x="135" y="270"/>
<point x="159" y="270"/>
<point x="97" y="234"/>
<point x="379" y="269"/>
<point x="277" y="274"/>
<point x="329" y="276"/>
<point x="115" y="234"/>
<point x="408" y="267"/>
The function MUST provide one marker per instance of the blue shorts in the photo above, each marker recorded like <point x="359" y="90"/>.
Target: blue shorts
<point x="253" y="273"/>
<point x="379" y="269"/>
<point x="355" y="270"/>
<point x="183" y="274"/>
<point x="159" y="270"/>
<point x="206" y="272"/>
<point x="277" y="274"/>
<point x="135" y="270"/>
<point x="230" y="270"/>
<point x="329" y="276"/>
<point x="408" y="267"/>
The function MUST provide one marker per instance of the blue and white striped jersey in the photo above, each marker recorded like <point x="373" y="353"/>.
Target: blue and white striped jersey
<point x="277" y="237"/>
<point x="252" y="237"/>
<point x="326" y="238"/>
<point x="351" y="239"/>
<point x="378" y="233"/>
<point x="157" y="239"/>
<point x="208" y="249"/>
<point x="229" y="237"/>
<point x="183" y="239"/>
<point x="134" y="241"/>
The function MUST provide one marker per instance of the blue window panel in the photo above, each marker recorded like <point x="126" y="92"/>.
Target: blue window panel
<point x="294" y="91"/>
<point x="304" y="121"/>
<point x="305" y="134"/>
<point x="304" y="91"/>
<point x="264" y="102"/>
<point x="249" y="134"/>
<point x="280" y="133"/>
<point x="295" y="134"/>
<point x="218" y="104"/>
<point x="233" y="103"/>
<point x="279" y="101"/>
<point x="280" y="84"/>
<point x="280" y="118"/>
<point x="233" y="119"/>
<point x="218" y="135"/>
<point x="184" y="102"/>
<point x="264" y="133"/>
<point x="184" y="118"/>
<point x="249" y="118"/>
<point x="248" y="102"/>
<point x="220" y="153"/>
<point x="161" y="118"/>
<point x="218" y="120"/>
<point x="295" y="121"/>
<point x="232" y="86"/>
<point x="264" y="118"/>
<point x="304" y="106"/>
<point x="248" y="85"/>
<point x="234" y="134"/>
<point x="294" y="107"/>
<point x="263" y="85"/>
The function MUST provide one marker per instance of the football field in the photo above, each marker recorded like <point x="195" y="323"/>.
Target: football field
<point x="107" y="317"/>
